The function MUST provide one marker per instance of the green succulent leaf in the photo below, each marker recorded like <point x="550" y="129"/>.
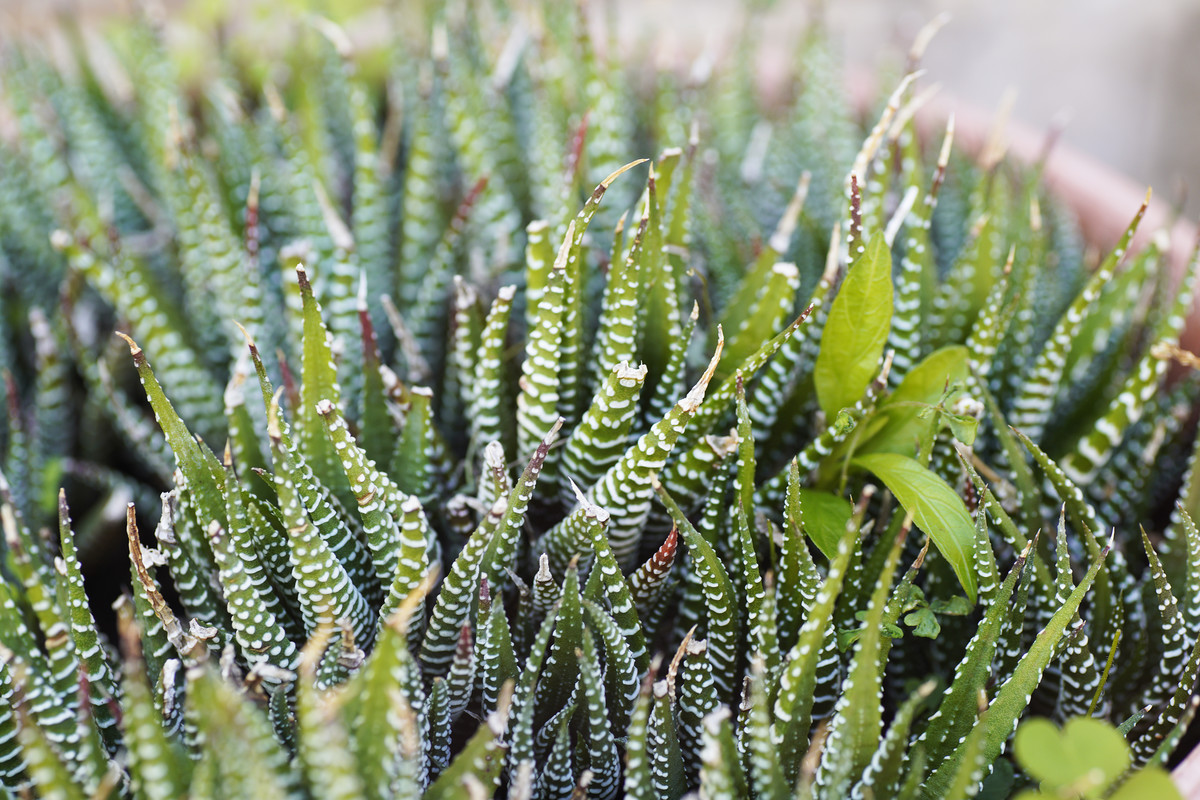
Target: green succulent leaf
<point x="398" y="582"/>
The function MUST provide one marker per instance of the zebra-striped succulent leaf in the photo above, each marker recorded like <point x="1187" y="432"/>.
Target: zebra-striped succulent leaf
<point x="576" y="483"/>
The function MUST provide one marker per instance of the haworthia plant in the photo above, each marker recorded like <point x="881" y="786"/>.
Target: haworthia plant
<point x="732" y="472"/>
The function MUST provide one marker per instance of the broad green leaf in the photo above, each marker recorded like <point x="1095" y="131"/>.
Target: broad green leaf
<point x="856" y="330"/>
<point x="935" y="508"/>
<point x="921" y="387"/>
<point x="1147" y="784"/>
<point x="1086" y="754"/>
<point x="825" y="516"/>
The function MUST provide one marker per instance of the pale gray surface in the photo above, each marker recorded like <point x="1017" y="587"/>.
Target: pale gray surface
<point x="1127" y="73"/>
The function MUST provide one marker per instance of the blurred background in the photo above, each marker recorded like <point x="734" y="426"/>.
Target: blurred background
<point x="1124" y="75"/>
<point x="1127" y="74"/>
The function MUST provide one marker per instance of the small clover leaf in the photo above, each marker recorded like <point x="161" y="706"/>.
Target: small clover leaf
<point x="1083" y="759"/>
<point x="924" y="623"/>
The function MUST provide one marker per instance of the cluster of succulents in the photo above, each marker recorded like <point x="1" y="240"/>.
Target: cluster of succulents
<point x="534" y="422"/>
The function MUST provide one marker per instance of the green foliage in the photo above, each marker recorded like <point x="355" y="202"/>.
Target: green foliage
<point x="1086" y="758"/>
<point x="567" y="478"/>
<point x="935" y="508"/>
<point x="856" y="330"/>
